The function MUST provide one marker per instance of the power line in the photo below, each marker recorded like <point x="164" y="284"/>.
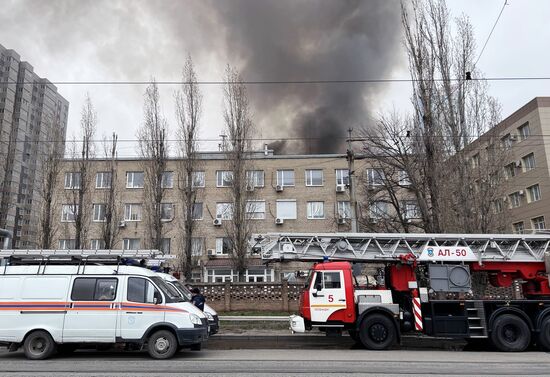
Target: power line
<point x="491" y="33"/>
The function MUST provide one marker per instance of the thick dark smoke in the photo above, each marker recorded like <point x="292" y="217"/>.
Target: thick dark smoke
<point x="267" y="40"/>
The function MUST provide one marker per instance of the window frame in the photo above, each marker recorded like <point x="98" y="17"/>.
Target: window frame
<point x="341" y="207"/>
<point x="309" y="178"/>
<point x="531" y="190"/>
<point x="518" y="229"/>
<point x="147" y="281"/>
<point x="129" y="241"/>
<point x="133" y="174"/>
<point x="99" y="205"/>
<point x="309" y="211"/>
<point x="221" y="178"/>
<point x="72" y="213"/>
<point x="102" y="174"/>
<point x="130" y="206"/>
<point x="253" y="217"/>
<point x="524" y="135"/>
<point x="535" y="221"/>
<point x="172" y="210"/>
<point x="71" y="182"/>
<point x="163" y="180"/>
<point x="97" y="280"/>
<point x="224" y="214"/>
<point x="528" y="167"/>
<point x="281" y="177"/>
<point x="202" y="175"/>
<point x="252" y="178"/>
<point x="201" y="204"/>
<point x="372" y="178"/>
<point x="341" y="178"/>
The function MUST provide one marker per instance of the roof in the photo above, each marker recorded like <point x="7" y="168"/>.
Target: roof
<point x="229" y="263"/>
<point x="332" y="266"/>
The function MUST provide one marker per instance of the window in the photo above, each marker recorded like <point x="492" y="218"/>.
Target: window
<point x="342" y="177"/>
<point x="315" y="210"/>
<point x="515" y="199"/>
<point x="97" y="244"/>
<point x="197" y="246"/>
<point x="314" y="177"/>
<point x="94" y="289"/>
<point x="66" y="244"/>
<point x="224" y="178"/>
<point x="255" y="209"/>
<point x="475" y="160"/>
<point x="403" y="178"/>
<point x="411" y="209"/>
<point x="524" y="131"/>
<point x="99" y="212"/>
<point x="131" y="244"/>
<point x="165" y="245"/>
<point x="166" y="211"/>
<point x="132" y="212"/>
<point x="196" y="212"/>
<point x="378" y="210"/>
<point x="506" y="141"/>
<point x="167" y="179"/>
<point x="286" y="209"/>
<point x="69" y="212"/>
<point x="285" y="178"/>
<point x="343" y="208"/>
<point x="497" y="206"/>
<point x="221" y="275"/>
<point x="103" y="180"/>
<point x="259" y="275"/>
<point x="223" y="245"/>
<point x="533" y="193"/>
<point x="375" y="177"/>
<point x="134" y="179"/>
<point x="143" y="291"/>
<point x="519" y="228"/>
<point x="72" y="180"/>
<point x="529" y="162"/>
<point x="198" y="179"/>
<point x="510" y="170"/>
<point x="331" y="280"/>
<point x="538" y="223"/>
<point x="224" y="211"/>
<point x="255" y="178"/>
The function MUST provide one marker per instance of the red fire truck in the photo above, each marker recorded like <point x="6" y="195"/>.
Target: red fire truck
<point x="474" y="287"/>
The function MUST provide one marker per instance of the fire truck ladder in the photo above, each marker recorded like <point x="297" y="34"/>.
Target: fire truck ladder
<point x="385" y="247"/>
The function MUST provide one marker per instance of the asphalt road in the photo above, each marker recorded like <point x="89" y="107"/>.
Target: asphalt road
<point x="282" y="362"/>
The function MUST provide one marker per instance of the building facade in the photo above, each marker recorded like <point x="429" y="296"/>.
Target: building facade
<point x="288" y="193"/>
<point x="33" y="119"/>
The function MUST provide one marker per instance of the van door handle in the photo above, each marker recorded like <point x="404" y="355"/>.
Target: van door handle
<point x="134" y="312"/>
<point x="342" y="300"/>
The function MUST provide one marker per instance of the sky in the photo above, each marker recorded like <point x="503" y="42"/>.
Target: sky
<point x="266" y="40"/>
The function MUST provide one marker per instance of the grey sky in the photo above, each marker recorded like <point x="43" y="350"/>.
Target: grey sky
<point x="102" y="40"/>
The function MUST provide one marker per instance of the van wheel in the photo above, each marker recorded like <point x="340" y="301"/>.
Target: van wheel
<point x="544" y="334"/>
<point x="377" y="332"/>
<point x="162" y="345"/>
<point x="39" y="345"/>
<point x="510" y="333"/>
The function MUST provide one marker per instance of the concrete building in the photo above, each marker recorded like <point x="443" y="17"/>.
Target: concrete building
<point x="291" y="193"/>
<point x="32" y="115"/>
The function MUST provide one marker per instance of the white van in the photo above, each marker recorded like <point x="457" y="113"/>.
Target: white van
<point x="44" y="308"/>
<point x="213" y="319"/>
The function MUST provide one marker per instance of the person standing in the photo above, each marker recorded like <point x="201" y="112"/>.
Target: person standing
<point x="197" y="298"/>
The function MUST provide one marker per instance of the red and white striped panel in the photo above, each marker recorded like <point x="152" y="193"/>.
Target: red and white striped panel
<point x="417" y="311"/>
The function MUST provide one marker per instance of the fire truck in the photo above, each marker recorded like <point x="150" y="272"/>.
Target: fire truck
<point x="490" y="288"/>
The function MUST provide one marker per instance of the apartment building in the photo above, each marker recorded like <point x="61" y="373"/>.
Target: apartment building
<point x="32" y="115"/>
<point x="524" y="189"/>
<point x="289" y="193"/>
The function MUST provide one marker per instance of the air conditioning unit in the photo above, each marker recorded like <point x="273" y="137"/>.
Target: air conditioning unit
<point x="122" y="224"/>
<point x="518" y="164"/>
<point x="217" y="221"/>
<point x="340" y="188"/>
<point x="521" y="192"/>
<point x="211" y="252"/>
<point x="249" y="188"/>
<point x="341" y="220"/>
<point x="279" y="221"/>
<point x="279" y="188"/>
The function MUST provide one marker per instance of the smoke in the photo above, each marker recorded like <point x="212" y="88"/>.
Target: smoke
<point x="266" y="40"/>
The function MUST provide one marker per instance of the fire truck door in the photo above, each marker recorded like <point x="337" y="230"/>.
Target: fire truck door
<point x="327" y="295"/>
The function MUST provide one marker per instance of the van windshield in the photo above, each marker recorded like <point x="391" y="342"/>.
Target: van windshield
<point x="172" y="295"/>
<point x="183" y="289"/>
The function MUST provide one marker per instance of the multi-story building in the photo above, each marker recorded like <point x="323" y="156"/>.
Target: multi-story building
<point x="290" y="193"/>
<point x="33" y="119"/>
<point x="525" y="137"/>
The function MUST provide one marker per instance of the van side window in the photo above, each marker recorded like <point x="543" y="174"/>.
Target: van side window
<point x="331" y="280"/>
<point x="142" y="290"/>
<point x="94" y="289"/>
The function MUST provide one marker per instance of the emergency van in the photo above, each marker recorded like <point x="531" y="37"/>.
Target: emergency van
<point x="46" y="308"/>
<point x="213" y="319"/>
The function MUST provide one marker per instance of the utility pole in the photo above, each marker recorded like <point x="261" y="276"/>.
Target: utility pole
<point x="351" y="167"/>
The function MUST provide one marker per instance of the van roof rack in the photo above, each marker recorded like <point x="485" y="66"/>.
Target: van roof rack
<point x="134" y="254"/>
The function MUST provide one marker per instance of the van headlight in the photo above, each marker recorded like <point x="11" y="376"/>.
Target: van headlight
<point x="195" y="319"/>
<point x="209" y="316"/>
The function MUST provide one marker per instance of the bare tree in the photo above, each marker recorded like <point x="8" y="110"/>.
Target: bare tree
<point x="239" y="129"/>
<point x="154" y="152"/>
<point x="450" y="111"/>
<point x="50" y="170"/>
<point x="109" y="227"/>
<point x="83" y="151"/>
<point x="188" y="112"/>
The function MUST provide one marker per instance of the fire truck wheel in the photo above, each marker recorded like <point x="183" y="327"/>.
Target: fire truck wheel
<point x="377" y="332"/>
<point x="510" y="333"/>
<point x="544" y="334"/>
<point x="39" y="345"/>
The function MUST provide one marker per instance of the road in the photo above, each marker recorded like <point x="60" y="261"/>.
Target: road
<point x="282" y="362"/>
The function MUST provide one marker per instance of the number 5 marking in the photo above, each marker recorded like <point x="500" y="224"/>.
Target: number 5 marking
<point x="330" y="298"/>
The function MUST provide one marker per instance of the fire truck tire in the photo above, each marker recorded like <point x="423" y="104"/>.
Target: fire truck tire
<point x="543" y="339"/>
<point x="377" y="332"/>
<point x="510" y="333"/>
